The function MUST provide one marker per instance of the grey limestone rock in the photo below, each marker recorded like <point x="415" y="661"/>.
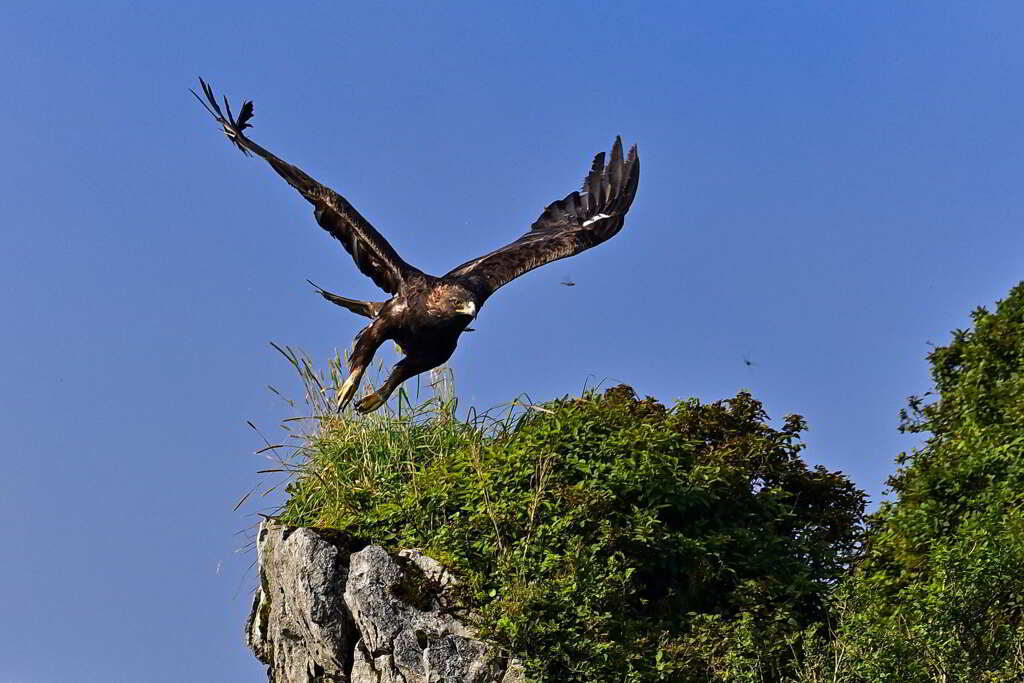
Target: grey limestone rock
<point x="405" y="634"/>
<point x="326" y="614"/>
<point x="298" y="626"/>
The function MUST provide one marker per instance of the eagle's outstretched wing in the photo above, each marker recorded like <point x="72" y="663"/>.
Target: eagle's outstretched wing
<point x="580" y="221"/>
<point x="374" y="257"/>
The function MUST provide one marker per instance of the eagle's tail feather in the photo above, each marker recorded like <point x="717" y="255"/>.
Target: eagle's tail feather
<point x="370" y="309"/>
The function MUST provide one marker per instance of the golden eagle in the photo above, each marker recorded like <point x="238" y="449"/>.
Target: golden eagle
<point x="425" y="314"/>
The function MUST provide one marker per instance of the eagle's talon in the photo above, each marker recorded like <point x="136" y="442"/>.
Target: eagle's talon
<point x="347" y="390"/>
<point x="370" y="403"/>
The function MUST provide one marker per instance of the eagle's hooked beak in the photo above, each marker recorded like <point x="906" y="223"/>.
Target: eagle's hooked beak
<point x="467" y="308"/>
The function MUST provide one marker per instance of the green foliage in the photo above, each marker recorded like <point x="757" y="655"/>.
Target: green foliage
<point x="606" y="538"/>
<point x="940" y="593"/>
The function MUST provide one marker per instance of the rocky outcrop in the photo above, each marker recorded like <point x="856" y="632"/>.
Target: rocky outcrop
<point x="299" y="626"/>
<point x="329" y="612"/>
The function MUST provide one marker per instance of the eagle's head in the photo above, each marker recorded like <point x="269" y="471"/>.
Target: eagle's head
<point x="465" y="305"/>
<point x="458" y="301"/>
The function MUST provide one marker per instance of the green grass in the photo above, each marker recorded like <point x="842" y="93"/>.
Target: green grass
<point x="346" y="464"/>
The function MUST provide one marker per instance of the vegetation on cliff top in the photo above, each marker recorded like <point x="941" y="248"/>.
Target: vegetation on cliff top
<point x="611" y="538"/>
<point x="604" y="537"/>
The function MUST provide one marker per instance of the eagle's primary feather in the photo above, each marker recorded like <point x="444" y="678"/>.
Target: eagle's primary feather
<point x="426" y="314"/>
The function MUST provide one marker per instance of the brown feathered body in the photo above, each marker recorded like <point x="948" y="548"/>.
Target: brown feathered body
<point x="426" y="314"/>
<point x="425" y="319"/>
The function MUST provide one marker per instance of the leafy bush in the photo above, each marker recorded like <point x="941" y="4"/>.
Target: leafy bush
<point x="605" y="538"/>
<point x="940" y="593"/>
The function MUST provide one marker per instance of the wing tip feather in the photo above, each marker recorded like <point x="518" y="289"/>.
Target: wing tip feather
<point x="232" y="127"/>
<point x="610" y="189"/>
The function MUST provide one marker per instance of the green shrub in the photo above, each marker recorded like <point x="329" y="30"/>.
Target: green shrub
<point x="939" y="595"/>
<point x="604" y="538"/>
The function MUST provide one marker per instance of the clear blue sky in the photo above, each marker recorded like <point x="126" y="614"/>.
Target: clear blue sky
<point x="826" y="188"/>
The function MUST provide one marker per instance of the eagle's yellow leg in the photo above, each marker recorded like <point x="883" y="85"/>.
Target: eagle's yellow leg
<point x="348" y="388"/>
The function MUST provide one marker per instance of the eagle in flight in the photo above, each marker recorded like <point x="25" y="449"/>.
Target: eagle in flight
<point x="426" y="314"/>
